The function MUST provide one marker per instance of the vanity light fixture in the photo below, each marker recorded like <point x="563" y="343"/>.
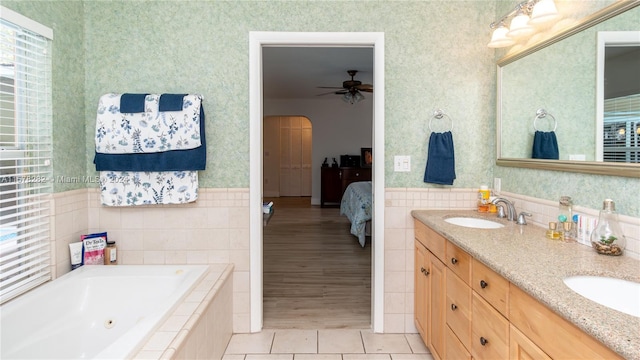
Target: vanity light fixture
<point x="524" y="17"/>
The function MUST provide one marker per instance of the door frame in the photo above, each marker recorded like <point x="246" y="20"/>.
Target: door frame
<point x="258" y="39"/>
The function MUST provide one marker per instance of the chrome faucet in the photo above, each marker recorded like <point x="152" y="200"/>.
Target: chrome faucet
<point x="511" y="210"/>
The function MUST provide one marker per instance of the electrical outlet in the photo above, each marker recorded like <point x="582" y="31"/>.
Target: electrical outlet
<point x="402" y="163"/>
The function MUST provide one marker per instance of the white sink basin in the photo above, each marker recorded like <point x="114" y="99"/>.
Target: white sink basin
<point x="471" y="222"/>
<point x="617" y="294"/>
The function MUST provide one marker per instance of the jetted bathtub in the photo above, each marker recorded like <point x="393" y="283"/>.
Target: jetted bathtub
<point x="94" y="312"/>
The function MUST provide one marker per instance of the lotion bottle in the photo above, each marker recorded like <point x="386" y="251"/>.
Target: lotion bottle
<point x="110" y="253"/>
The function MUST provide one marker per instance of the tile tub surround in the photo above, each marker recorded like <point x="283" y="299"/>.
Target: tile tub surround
<point x="201" y="326"/>
<point x="537" y="265"/>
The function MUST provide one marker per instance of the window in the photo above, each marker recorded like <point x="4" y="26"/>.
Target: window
<point x="622" y="129"/>
<point x="25" y="153"/>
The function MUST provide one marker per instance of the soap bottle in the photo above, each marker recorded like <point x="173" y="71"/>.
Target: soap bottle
<point x="607" y="238"/>
<point x="552" y="233"/>
<point x="110" y="253"/>
<point x="483" y="198"/>
<point x="569" y="232"/>
<point x="565" y="209"/>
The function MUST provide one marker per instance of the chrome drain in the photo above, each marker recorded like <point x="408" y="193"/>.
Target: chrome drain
<point x="109" y="323"/>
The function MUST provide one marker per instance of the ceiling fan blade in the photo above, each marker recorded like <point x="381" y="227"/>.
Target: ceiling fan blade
<point x="364" y="87"/>
<point x="326" y="93"/>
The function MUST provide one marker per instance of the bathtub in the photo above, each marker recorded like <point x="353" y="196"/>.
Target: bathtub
<point x="95" y="312"/>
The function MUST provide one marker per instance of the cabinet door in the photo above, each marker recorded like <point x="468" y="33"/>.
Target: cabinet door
<point x="454" y="348"/>
<point x="330" y="186"/>
<point x="521" y="348"/>
<point x="421" y="277"/>
<point x="437" y="322"/>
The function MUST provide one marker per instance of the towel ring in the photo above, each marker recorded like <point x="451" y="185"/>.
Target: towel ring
<point x="439" y="114"/>
<point x="541" y="114"/>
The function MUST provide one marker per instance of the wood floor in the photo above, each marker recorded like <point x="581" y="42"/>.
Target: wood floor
<point x="316" y="275"/>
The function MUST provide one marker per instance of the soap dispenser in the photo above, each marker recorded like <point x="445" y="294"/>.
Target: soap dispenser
<point x="607" y="238"/>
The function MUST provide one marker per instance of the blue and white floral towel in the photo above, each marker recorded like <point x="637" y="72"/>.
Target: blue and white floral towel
<point x="129" y="188"/>
<point x="149" y="131"/>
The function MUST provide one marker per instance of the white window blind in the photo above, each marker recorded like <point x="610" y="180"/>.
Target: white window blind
<point x="25" y="153"/>
<point x="621" y="133"/>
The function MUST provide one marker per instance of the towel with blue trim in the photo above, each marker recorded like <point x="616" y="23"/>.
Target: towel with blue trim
<point x="149" y="148"/>
<point x="159" y="123"/>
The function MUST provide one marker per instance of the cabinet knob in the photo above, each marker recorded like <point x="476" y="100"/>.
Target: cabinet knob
<point x="483" y="284"/>
<point x="357" y="174"/>
<point x="424" y="271"/>
<point x="454" y="261"/>
<point x="483" y="341"/>
<point x="454" y="307"/>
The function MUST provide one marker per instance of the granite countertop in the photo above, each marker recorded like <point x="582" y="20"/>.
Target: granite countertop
<point x="524" y="256"/>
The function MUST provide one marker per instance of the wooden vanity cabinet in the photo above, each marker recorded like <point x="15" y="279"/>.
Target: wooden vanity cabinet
<point x="557" y="337"/>
<point x="429" y="281"/>
<point x="464" y="310"/>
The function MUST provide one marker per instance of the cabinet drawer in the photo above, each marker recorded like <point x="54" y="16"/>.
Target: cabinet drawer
<point x="489" y="331"/>
<point x="491" y="286"/>
<point x="356" y="174"/>
<point x="458" y="308"/>
<point x="430" y="239"/>
<point x="554" y="335"/>
<point x="454" y="348"/>
<point x="459" y="262"/>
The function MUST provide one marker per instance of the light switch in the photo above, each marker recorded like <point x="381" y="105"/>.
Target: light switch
<point x="402" y="163"/>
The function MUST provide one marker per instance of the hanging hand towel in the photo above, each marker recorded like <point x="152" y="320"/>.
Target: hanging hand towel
<point x="129" y="188"/>
<point x="132" y="103"/>
<point x="171" y="102"/>
<point x="190" y="159"/>
<point x="151" y="130"/>
<point x="441" y="167"/>
<point x="545" y="146"/>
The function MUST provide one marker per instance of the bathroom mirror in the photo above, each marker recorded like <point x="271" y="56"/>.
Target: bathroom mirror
<point x="560" y="76"/>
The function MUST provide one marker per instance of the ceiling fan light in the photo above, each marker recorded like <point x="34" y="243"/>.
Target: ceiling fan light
<point x="499" y="38"/>
<point x="544" y="11"/>
<point x="358" y="96"/>
<point x="520" y="26"/>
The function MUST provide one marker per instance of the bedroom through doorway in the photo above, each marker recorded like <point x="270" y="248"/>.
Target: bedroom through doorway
<point x="316" y="275"/>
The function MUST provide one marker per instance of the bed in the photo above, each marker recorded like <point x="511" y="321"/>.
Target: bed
<point x="356" y="205"/>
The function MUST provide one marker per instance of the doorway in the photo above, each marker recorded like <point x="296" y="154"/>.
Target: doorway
<point x="257" y="41"/>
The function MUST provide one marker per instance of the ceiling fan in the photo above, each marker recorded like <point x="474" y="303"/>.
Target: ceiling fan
<point x="350" y="89"/>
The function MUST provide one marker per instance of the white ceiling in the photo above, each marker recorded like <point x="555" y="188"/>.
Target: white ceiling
<point x="296" y="72"/>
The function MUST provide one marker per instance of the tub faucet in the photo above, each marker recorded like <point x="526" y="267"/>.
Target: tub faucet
<point x="511" y="210"/>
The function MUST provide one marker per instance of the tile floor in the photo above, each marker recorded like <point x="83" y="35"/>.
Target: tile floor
<point x="330" y="344"/>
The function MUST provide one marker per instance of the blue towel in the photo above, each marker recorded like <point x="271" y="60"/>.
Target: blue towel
<point x="176" y="160"/>
<point x="132" y="103"/>
<point x="170" y="102"/>
<point x="441" y="164"/>
<point x="545" y="146"/>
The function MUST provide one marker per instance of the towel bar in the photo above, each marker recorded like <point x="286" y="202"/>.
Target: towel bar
<point x="439" y="114"/>
<point x="541" y="114"/>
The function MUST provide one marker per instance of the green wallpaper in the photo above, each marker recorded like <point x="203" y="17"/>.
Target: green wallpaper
<point x="202" y="46"/>
<point x="69" y="145"/>
<point x="436" y="57"/>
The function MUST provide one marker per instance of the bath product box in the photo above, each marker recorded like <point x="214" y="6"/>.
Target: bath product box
<point x="93" y="248"/>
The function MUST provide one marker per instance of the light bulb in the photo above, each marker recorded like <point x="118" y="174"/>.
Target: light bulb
<point x="520" y="26"/>
<point x="499" y="38"/>
<point x="544" y="11"/>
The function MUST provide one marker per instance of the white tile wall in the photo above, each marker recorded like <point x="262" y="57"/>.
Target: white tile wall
<point x="215" y="230"/>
